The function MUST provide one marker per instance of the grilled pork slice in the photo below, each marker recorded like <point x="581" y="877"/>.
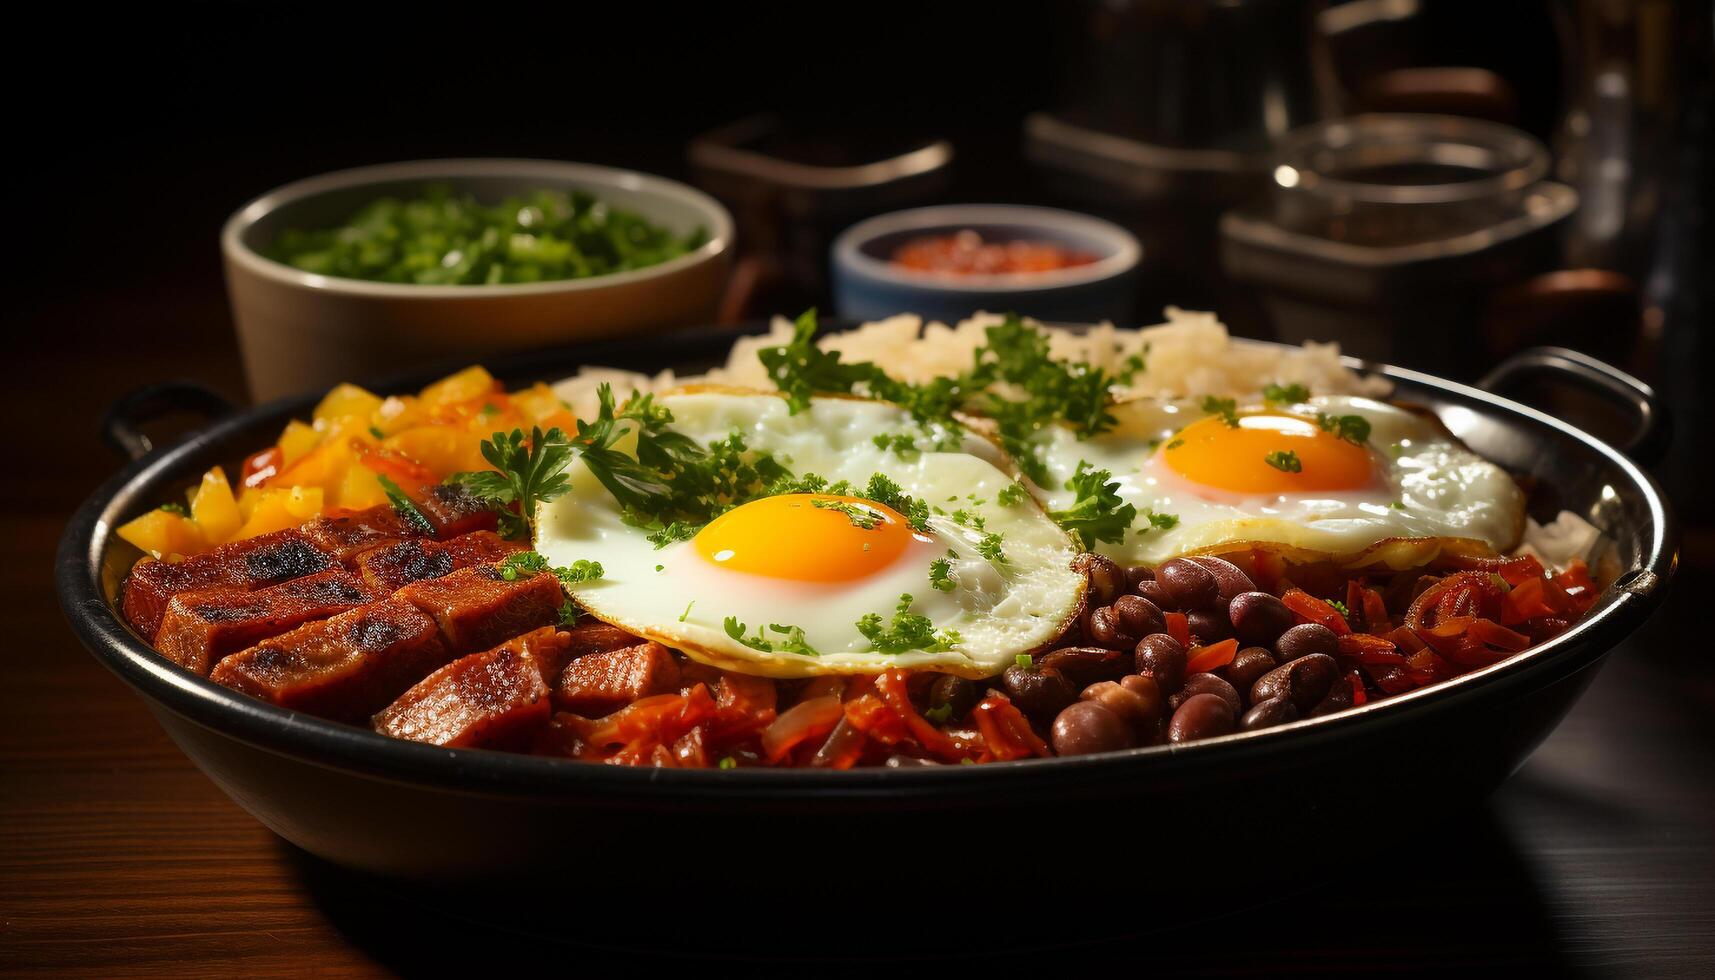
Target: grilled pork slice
<point x="254" y="563"/>
<point x="391" y="567"/>
<point x="497" y="699"/>
<point x="599" y="683"/>
<point x="454" y="510"/>
<point x="477" y="607"/>
<point x="345" y="668"/>
<point x="345" y="535"/>
<point x="202" y="627"/>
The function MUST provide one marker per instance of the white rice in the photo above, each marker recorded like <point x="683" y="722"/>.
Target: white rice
<point x="1189" y="355"/>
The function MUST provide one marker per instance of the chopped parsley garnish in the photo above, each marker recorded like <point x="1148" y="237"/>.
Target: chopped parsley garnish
<point x="863" y="520"/>
<point x="686" y="614"/>
<point x="887" y="493"/>
<point x="1339" y="607"/>
<point x="569" y="613"/>
<point x="403" y="505"/>
<point x="1158" y="522"/>
<point x="1024" y="660"/>
<point x="375" y="430"/>
<point x="791" y="638"/>
<point x="1286" y="393"/>
<point x="939" y="714"/>
<point x="1354" y="429"/>
<point x="1012" y="494"/>
<point x="727" y="762"/>
<point x="970" y="519"/>
<point x="1175" y="444"/>
<point x="941" y="572"/>
<point x="526" y="563"/>
<point x="1285" y="461"/>
<point x="901" y="444"/>
<point x="990" y="547"/>
<point x="1396" y="505"/>
<point x="1134" y="365"/>
<point x="1226" y="408"/>
<point x="906" y="632"/>
<point x="1098" y="513"/>
<point x="1014" y="353"/>
<point x="181" y="509"/>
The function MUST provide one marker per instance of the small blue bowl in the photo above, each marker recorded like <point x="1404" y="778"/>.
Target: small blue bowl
<point x="868" y="286"/>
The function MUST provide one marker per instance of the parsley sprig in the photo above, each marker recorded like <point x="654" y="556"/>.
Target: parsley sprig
<point x="941" y="572"/>
<point x="790" y="638"/>
<point x="527" y="472"/>
<point x="1226" y="408"/>
<point x="1098" y="513"/>
<point x="1285" y="461"/>
<point x="1285" y="393"/>
<point x="1354" y="429"/>
<point x="907" y="631"/>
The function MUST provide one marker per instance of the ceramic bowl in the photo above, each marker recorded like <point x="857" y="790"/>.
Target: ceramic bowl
<point x="299" y="329"/>
<point x="867" y="286"/>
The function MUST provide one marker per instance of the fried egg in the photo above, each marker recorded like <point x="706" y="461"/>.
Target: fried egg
<point x="1274" y="476"/>
<point x="821" y="563"/>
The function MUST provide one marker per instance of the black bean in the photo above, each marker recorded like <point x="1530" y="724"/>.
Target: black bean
<point x="1136" y="575"/>
<point x="1105" y="630"/>
<point x="1201" y="716"/>
<point x="1107" y="579"/>
<point x="1161" y="657"/>
<point x="1039" y="692"/>
<point x="1268" y="713"/>
<point x="956" y="693"/>
<point x="1087" y="727"/>
<point x="1134" y="698"/>
<point x="1259" y="618"/>
<point x="1305" y="639"/>
<point x="1305" y="680"/>
<point x="1188" y="584"/>
<point x="1230" y="578"/>
<point x="1138" y="616"/>
<point x="1207" y="684"/>
<point x="1153" y="591"/>
<point x="1086" y="665"/>
<point x="1339" y="698"/>
<point x="1248" y="664"/>
<point x="1208" y="625"/>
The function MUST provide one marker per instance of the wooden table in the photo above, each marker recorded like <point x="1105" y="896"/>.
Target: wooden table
<point x="117" y="858"/>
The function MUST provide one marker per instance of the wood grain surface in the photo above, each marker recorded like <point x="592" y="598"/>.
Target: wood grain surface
<point x="117" y="858"/>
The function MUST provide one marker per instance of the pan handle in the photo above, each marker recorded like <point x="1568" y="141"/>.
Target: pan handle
<point x="1650" y="430"/>
<point x="122" y="426"/>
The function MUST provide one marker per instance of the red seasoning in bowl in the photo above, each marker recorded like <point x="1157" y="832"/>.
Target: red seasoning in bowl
<point x="964" y="253"/>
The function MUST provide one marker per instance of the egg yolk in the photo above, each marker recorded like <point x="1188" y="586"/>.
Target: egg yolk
<point x="806" y="538"/>
<point x="1238" y="458"/>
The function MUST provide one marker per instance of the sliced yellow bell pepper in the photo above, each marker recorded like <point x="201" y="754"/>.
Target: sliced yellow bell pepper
<point x="347" y="399"/>
<point x="164" y="534"/>
<point x="213" y="508"/>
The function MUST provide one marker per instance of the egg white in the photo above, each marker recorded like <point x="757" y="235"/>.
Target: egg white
<point x="675" y="596"/>
<point x="1428" y="488"/>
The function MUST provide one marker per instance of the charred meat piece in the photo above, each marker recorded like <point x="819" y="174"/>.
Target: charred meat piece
<point x="496" y="699"/>
<point x="594" y="636"/>
<point x="390" y="567"/>
<point x="347" y="534"/>
<point x="454" y="510"/>
<point x="202" y="627"/>
<point x="345" y="668"/>
<point x="477" y="607"/>
<point x="254" y="563"/>
<point x="599" y="683"/>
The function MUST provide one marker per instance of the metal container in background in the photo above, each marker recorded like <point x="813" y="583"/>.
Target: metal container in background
<point x="793" y="191"/>
<point x="1392" y="234"/>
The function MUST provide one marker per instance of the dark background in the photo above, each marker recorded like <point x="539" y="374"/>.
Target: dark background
<point x="143" y="130"/>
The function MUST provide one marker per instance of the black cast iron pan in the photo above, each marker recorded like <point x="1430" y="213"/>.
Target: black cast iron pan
<point x="403" y="809"/>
